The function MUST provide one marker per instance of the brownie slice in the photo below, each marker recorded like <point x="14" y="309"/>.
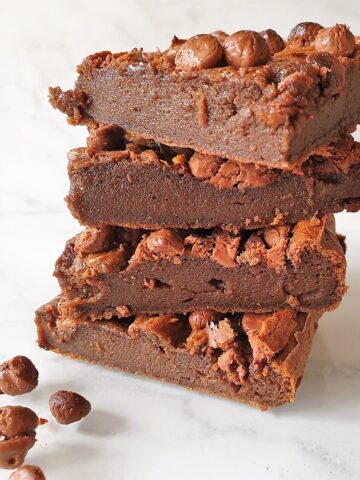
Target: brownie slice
<point x="152" y="186"/>
<point x="115" y="271"/>
<point x="257" y="359"/>
<point x="245" y="103"/>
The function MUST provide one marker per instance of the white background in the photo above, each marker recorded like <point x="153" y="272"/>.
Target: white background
<point x="139" y="429"/>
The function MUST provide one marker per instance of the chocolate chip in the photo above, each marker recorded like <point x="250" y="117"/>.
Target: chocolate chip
<point x="332" y="71"/>
<point x="149" y="156"/>
<point x="220" y="35"/>
<point x="179" y="161"/>
<point x="273" y="235"/>
<point x="246" y="49"/>
<point x="268" y="333"/>
<point x="197" y="341"/>
<point x="234" y="365"/>
<point x="165" y="242"/>
<point x="28" y="472"/>
<point x="225" y="251"/>
<point x="203" y="166"/>
<point x="14" y="450"/>
<point x="296" y="84"/>
<point x="18" y="376"/>
<point x="303" y="34"/>
<point x="200" y="318"/>
<point x="200" y="246"/>
<point x="17" y="428"/>
<point x="336" y="40"/>
<point x="174" y="47"/>
<point x="95" y="240"/>
<point x="199" y="52"/>
<point x="274" y="42"/>
<point x="108" y="137"/>
<point x="68" y="407"/>
<point x="221" y="335"/>
<point x="169" y="329"/>
<point x="253" y="321"/>
<point x="16" y="421"/>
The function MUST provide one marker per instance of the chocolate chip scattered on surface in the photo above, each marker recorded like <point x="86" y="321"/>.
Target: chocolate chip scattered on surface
<point x="68" y="407"/>
<point x="18" y="376"/>
<point x="18" y="430"/>
<point x="28" y="472"/>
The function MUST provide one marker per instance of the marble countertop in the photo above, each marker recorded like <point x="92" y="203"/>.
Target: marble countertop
<point x="139" y="429"/>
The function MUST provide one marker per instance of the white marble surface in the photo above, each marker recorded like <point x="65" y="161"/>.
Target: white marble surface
<point x="139" y="429"/>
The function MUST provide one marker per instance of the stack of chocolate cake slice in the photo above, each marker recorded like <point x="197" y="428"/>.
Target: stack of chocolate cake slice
<point x="207" y="190"/>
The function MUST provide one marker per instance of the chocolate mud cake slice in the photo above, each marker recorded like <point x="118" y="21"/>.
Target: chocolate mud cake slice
<point x="153" y="186"/>
<point x="106" y="272"/>
<point x="257" y="359"/>
<point x="249" y="96"/>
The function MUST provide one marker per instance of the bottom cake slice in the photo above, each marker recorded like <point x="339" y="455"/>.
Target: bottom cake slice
<point x="257" y="359"/>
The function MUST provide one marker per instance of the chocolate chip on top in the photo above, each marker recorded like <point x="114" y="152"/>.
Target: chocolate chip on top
<point x="68" y="407"/>
<point x="303" y="34"/>
<point x="174" y="47"/>
<point x="332" y="71"/>
<point x="165" y="242"/>
<point x="28" y="472"/>
<point x="274" y="42"/>
<point x="246" y="49"/>
<point x="18" y="376"/>
<point x="199" y="52"/>
<point x="220" y="35"/>
<point x="336" y="40"/>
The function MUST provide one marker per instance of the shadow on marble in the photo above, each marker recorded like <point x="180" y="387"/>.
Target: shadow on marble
<point x="102" y="423"/>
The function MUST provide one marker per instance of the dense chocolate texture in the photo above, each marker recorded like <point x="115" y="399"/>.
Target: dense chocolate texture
<point x="143" y="187"/>
<point x="254" y="359"/>
<point x="274" y="113"/>
<point x="301" y="266"/>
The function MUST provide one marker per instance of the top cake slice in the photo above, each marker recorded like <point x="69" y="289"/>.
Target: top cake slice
<point x="248" y="97"/>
